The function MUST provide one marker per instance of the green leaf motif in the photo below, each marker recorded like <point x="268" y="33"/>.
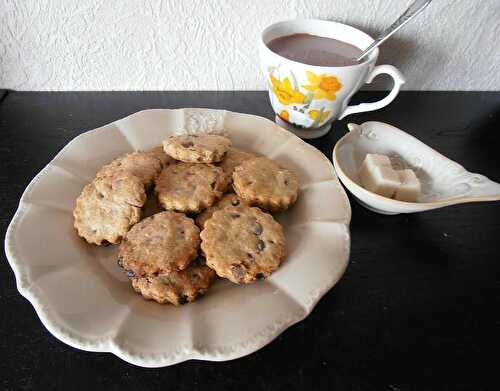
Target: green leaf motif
<point x="309" y="98"/>
<point x="294" y="81"/>
<point x="318" y="118"/>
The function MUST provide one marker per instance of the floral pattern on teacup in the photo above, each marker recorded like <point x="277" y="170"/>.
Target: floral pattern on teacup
<point x="298" y="107"/>
<point x="321" y="116"/>
<point x="323" y="86"/>
<point x="284" y="115"/>
<point x="284" y="91"/>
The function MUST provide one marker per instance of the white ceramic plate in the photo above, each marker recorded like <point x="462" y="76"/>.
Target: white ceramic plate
<point x="85" y="300"/>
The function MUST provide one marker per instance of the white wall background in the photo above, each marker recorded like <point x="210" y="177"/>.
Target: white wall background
<point x="212" y="45"/>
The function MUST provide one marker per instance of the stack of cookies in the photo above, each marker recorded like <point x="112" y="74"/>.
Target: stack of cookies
<point x="169" y="256"/>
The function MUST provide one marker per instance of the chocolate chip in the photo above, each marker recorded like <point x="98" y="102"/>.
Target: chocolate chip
<point x="130" y="274"/>
<point x="212" y="185"/>
<point x="261" y="245"/>
<point x="183" y="299"/>
<point x="235" y="215"/>
<point x="182" y="232"/>
<point x="256" y="228"/>
<point x="238" y="271"/>
<point x="259" y="276"/>
<point x="198" y="159"/>
<point x="286" y="182"/>
<point x="250" y="256"/>
<point x="187" y="144"/>
<point x="235" y="202"/>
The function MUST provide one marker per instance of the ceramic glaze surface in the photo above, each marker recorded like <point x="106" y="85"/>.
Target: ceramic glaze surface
<point x="84" y="298"/>
<point x="312" y="97"/>
<point x="444" y="182"/>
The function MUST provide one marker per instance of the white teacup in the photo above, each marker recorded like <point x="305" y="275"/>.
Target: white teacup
<point x="308" y="98"/>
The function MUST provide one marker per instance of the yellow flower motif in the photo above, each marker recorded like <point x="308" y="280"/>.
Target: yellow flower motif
<point x="323" y="86"/>
<point x="285" y="92"/>
<point x="313" y="114"/>
<point x="284" y="115"/>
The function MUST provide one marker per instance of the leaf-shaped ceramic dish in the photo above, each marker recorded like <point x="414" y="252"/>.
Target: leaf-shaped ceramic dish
<point x="85" y="300"/>
<point x="443" y="181"/>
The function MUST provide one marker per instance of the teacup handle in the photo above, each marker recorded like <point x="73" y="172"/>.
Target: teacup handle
<point x="398" y="78"/>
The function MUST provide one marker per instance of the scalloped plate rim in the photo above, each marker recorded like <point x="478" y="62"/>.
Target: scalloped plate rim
<point x="107" y="344"/>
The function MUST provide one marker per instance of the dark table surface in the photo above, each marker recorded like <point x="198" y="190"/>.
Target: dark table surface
<point x="419" y="305"/>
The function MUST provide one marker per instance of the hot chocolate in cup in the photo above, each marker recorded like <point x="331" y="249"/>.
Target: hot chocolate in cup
<point x="311" y="88"/>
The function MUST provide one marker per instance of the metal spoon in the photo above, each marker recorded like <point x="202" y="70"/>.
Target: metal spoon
<point x="413" y="10"/>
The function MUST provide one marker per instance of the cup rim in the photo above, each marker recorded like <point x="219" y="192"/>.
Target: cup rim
<point x="371" y="57"/>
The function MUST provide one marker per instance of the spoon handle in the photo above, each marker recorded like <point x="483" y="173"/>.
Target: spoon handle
<point x="413" y="10"/>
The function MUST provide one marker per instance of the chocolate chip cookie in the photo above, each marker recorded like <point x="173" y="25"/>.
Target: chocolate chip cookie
<point x="203" y="148"/>
<point x="99" y="219"/>
<point x="234" y="157"/>
<point x="165" y="242"/>
<point x="127" y="177"/>
<point x="121" y="186"/>
<point x="243" y="244"/>
<point x="262" y="182"/>
<point x="189" y="187"/>
<point x="228" y="200"/>
<point x="159" y="153"/>
<point x="176" y="287"/>
<point x="144" y="165"/>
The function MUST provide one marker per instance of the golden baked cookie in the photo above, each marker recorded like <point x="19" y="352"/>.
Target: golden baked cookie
<point x="127" y="178"/>
<point x="228" y="200"/>
<point x="189" y="187"/>
<point x="262" y="182"/>
<point x="176" y="287"/>
<point x="243" y="244"/>
<point x="165" y="242"/>
<point x="160" y="154"/>
<point x="99" y="220"/>
<point x="121" y="186"/>
<point x="144" y="165"/>
<point x="203" y="148"/>
<point x="234" y="157"/>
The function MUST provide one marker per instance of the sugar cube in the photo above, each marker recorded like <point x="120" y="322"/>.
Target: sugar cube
<point x="373" y="159"/>
<point x="409" y="188"/>
<point x="377" y="175"/>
